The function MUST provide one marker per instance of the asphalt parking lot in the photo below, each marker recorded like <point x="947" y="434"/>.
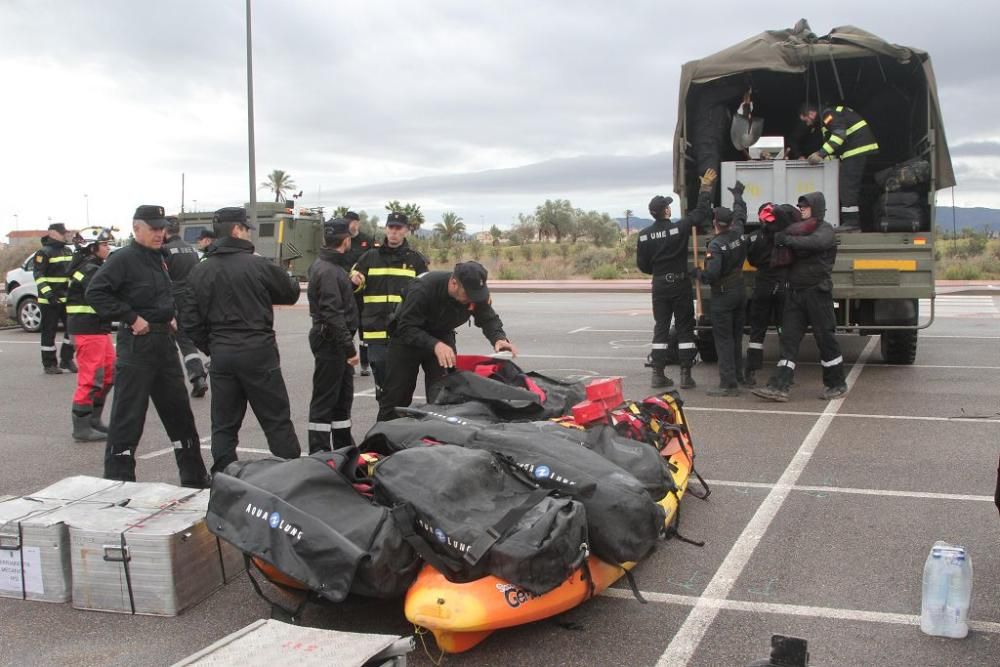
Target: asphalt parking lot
<point x="818" y="525"/>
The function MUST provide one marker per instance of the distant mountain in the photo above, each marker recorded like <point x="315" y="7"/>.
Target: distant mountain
<point x="634" y="224"/>
<point x="978" y="219"/>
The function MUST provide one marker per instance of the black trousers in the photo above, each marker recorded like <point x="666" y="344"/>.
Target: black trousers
<point x="332" y="395"/>
<point x="52" y="315"/>
<point x="851" y="171"/>
<point x="727" y="309"/>
<point x="249" y="375"/>
<point x="147" y="368"/>
<point x="359" y="301"/>
<point x="193" y="364"/>
<point x="403" y="364"/>
<point x="765" y="308"/>
<point x="378" y="355"/>
<point x="673" y="300"/>
<point x="804" y="308"/>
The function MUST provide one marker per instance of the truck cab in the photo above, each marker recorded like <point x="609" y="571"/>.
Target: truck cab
<point x="879" y="276"/>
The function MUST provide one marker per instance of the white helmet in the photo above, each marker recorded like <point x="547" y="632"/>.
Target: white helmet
<point x="91" y="235"/>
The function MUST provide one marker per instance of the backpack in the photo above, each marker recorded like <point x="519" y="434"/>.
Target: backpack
<point x="471" y="513"/>
<point x="305" y="518"/>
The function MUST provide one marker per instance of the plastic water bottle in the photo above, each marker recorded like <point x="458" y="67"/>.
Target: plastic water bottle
<point x="959" y="595"/>
<point x="947" y="591"/>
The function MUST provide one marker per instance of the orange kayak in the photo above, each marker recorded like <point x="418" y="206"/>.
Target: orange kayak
<point x="460" y="616"/>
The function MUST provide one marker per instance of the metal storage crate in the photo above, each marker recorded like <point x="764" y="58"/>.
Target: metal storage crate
<point x="783" y="182"/>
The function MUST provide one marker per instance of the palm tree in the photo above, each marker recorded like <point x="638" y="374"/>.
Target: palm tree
<point x="278" y="182"/>
<point x="413" y="213"/>
<point x="450" y="227"/>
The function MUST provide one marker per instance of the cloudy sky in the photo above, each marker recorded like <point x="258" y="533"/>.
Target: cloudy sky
<point x="486" y="109"/>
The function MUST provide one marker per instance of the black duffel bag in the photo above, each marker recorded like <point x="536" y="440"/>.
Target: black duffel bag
<point x="470" y="513"/>
<point x="305" y="518"/>
<point x="623" y="521"/>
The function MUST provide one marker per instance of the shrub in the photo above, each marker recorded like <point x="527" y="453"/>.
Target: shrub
<point x="962" y="271"/>
<point x="565" y="250"/>
<point x="606" y="272"/>
<point x="544" y="250"/>
<point x="589" y="259"/>
<point x="475" y="248"/>
<point x="510" y="254"/>
<point x="509" y="272"/>
<point x="441" y="255"/>
<point x="527" y="251"/>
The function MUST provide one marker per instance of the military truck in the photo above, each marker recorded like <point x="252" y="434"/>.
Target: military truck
<point x="289" y="237"/>
<point x="879" y="277"/>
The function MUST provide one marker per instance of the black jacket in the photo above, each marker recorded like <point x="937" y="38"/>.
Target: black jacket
<point x="181" y="257"/>
<point x="230" y="297"/>
<point x="81" y="318"/>
<point x="331" y="300"/>
<point x="51" y="270"/>
<point x="663" y="246"/>
<point x="804" y="140"/>
<point x="846" y="133"/>
<point x="815" y="253"/>
<point x="133" y="281"/>
<point x="727" y="251"/>
<point x="387" y="272"/>
<point x="360" y="244"/>
<point x="428" y="315"/>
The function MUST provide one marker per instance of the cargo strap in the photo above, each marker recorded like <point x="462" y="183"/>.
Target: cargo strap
<point x="291" y="615"/>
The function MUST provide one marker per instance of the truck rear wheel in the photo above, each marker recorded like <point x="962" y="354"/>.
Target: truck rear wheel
<point x="899" y="347"/>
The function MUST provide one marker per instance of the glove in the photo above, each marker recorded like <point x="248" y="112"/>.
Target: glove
<point x="737" y="189"/>
<point x="815" y="158"/>
<point x="780" y="238"/>
<point x="708" y="180"/>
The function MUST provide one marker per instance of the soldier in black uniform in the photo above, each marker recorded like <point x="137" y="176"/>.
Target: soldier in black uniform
<point x="205" y="239"/>
<point x="181" y="258"/>
<point x="724" y="273"/>
<point x="812" y="246"/>
<point x="662" y="250"/>
<point x="331" y="339"/>
<point x="360" y="244"/>
<point x="51" y="269"/>
<point x="423" y="330"/>
<point x="228" y="311"/>
<point x="133" y="288"/>
<point x="768" y="286"/>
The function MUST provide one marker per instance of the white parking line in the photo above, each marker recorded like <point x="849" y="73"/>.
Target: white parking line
<point x="167" y="450"/>
<point x="691" y="632"/>
<point x="788" y="609"/>
<point x="849" y="415"/>
<point x="861" y="492"/>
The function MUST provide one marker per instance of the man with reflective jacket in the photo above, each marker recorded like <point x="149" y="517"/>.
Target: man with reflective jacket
<point x="133" y="288"/>
<point x="662" y="250"/>
<point x="423" y="330"/>
<point x="51" y="270"/>
<point x="95" y="353"/>
<point x="228" y="310"/>
<point x="808" y="249"/>
<point x="847" y="137"/>
<point x="360" y="244"/>
<point x="331" y="339"/>
<point x="381" y="276"/>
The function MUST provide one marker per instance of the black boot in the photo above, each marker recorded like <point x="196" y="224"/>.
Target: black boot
<point x="190" y="465"/>
<point x="319" y="441"/>
<point x="199" y="387"/>
<point x="66" y="354"/>
<point x="82" y="431"/>
<point x="750" y="377"/>
<point x="660" y="380"/>
<point x="95" y="419"/>
<point x="687" y="382"/>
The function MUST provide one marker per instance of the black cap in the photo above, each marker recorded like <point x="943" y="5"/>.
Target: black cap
<point x="398" y="219"/>
<point x="207" y="233"/>
<point x="336" y="227"/>
<point x="236" y="214"/>
<point x="173" y="224"/>
<point x="659" y="203"/>
<point x="351" y="215"/>
<point x="723" y="215"/>
<point x="151" y="215"/>
<point x="57" y="227"/>
<point x="472" y="277"/>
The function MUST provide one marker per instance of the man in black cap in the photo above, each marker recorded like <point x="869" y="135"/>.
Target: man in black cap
<point x="360" y="244"/>
<point x="133" y="288"/>
<point x="181" y="258"/>
<point x="205" y="239"/>
<point x="228" y="311"/>
<point x="331" y="339"/>
<point x="51" y="270"/>
<point x="724" y="273"/>
<point x="423" y="330"/>
<point x="380" y="276"/>
<point x="662" y="250"/>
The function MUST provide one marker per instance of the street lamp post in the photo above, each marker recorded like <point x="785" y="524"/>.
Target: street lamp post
<point x="86" y="200"/>
<point x="253" y="166"/>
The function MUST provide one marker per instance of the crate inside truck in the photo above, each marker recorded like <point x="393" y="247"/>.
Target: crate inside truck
<point x="883" y="272"/>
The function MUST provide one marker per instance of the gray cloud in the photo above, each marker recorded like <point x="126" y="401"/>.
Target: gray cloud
<point x="976" y="149"/>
